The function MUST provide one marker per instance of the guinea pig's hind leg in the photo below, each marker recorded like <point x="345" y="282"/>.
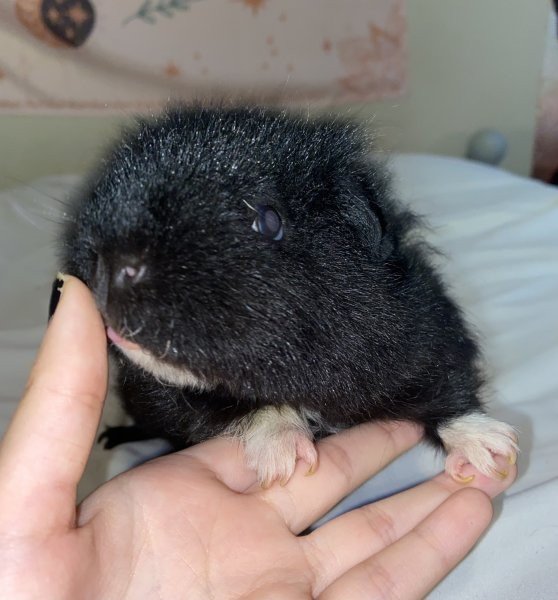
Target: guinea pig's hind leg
<point x="476" y="438"/>
<point x="114" y="436"/>
<point x="274" y="438"/>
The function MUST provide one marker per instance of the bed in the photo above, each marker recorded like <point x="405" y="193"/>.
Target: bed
<point x="499" y="236"/>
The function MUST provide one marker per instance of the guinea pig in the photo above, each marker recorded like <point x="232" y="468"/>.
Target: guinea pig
<point x="259" y="280"/>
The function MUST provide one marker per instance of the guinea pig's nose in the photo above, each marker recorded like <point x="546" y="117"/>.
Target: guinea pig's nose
<point x="127" y="272"/>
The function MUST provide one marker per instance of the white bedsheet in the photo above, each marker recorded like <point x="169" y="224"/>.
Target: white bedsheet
<point x="499" y="233"/>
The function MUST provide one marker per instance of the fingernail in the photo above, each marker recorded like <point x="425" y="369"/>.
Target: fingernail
<point x="57" y="286"/>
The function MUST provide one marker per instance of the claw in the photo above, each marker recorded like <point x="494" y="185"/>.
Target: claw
<point x="461" y="479"/>
<point x="500" y="474"/>
<point x="478" y="439"/>
<point x="313" y="468"/>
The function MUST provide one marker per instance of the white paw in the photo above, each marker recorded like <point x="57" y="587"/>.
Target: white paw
<point x="274" y="459"/>
<point x="476" y="439"/>
<point x="274" y="439"/>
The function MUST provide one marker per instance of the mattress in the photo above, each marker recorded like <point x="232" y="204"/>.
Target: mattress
<point x="498" y="234"/>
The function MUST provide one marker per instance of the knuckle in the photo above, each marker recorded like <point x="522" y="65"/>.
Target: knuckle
<point x="381" y="524"/>
<point x="340" y="460"/>
<point x="321" y="560"/>
<point x="379" y="582"/>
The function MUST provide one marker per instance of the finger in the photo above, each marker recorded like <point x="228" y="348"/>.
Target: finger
<point x="48" y="442"/>
<point x="351" y="538"/>
<point x="224" y="457"/>
<point x="413" y="565"/>
<point x="346" y="460"/>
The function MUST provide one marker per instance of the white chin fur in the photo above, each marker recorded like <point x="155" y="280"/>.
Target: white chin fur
<point x="162" y="371"/>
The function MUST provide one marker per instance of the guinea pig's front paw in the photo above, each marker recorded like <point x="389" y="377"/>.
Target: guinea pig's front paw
<point x="476" y="439"/>
<point x="274" y="439"/>
<point x="274" y="458"/>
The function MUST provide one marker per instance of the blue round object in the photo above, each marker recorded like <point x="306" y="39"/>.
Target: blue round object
<point x="487" y="146"/>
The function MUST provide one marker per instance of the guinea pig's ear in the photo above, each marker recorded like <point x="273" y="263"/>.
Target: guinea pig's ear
<point x="369" y="225"/>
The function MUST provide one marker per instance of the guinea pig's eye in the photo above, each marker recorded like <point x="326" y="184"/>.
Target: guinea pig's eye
<point x="268" y="222"/>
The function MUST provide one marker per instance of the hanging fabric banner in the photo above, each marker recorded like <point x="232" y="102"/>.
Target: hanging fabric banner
<point x="103" y="55"/>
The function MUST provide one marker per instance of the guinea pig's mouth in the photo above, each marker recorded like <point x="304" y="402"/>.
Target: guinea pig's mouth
<point x="156" y="366"/>
<point x="121" y="342"/>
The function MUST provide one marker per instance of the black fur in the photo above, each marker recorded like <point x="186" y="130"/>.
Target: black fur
<point x="344" y="316"/>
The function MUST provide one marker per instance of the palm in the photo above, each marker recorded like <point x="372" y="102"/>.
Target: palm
<point x="188" y="528"/>
<point x="216" y="543"/>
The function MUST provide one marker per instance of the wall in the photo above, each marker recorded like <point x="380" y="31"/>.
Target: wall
<point x="473" y="64"/>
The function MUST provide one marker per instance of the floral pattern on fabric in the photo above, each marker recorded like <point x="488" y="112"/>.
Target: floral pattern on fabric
<point x="101" y="55"/>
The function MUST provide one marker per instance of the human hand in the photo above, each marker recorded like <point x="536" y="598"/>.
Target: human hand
<point x="195" y="524"/>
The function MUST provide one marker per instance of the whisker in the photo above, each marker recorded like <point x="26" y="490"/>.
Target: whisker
<point x="127" y="331"/>
<point x="248" y="205"/>
<point x="38" y="215"/>
<point x="135" y="332"/>
<point x="26" y="184"/>
<point x="167" y="348"/>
